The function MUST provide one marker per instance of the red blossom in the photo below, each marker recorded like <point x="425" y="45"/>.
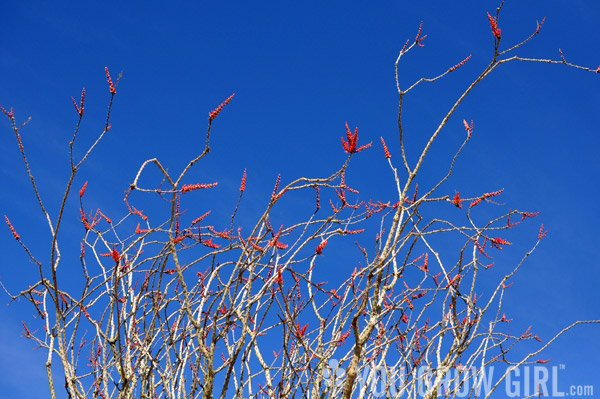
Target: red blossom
<point x="346" y="231"/>
<point x="82" y="191"/>
<point x="274" y="195"/>
<point x="350" y="145"/>
<point x="140" y="231"/>
<point x="526" y="215"/>
<point x="243" y="184"/>
<point x="221" y="234"/>
<point x="463" y="62"/>
<point x="494" y="26"/>
<point x="192" y="187"/>
<point x="79" y="108"/>
<point x="279" y="279"/>
<point x="562" y="56"/>
<point x="253" y="245"/>
<point x="198" y="220"/>
<point x="210" y="244"/>
<point x="136" y="212"/>
<point x="12" y="229"/>
<point x="406" y="200"/>
<point x="85" y="313"/>
<point x="539" y="25"/>
<point x="419" y="39"/>
<point x="318" y="200"/>
<point x="179" y="239"/>
<point x="105" y="217"/>
<point x="115" y="255"/>
<point x="475" y="203"/>
<point x="543" y="361"/>
<point x="504" y="319"/>
<point x="111" y="87"/>
<point x="319" y="249"/>
<point x="85" y="222"/>
<point x="385" y="149"/>
<point x="405" y="46"/>
<point x="597" y="71"/>
<point x="27" y="333"/>
<point x="301" y="331"/>
<point x="456" y="201"/>
<point x="494" y="194"/>
<point x="343" y="338"/>
<point x="498" y="242"/>
<point x="468" y="128"/>
<point x="214" y="113"/>
<point x="10" y="114"/>
<point x="424" y="267"/>
<point x="404" y="318"/>
<point x="542" y="233"/>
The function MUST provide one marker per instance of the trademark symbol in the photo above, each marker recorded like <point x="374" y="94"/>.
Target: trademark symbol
<point x="561" y="366"/>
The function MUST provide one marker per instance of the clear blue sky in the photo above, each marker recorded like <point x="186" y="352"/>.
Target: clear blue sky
<point x="299" y="71"/>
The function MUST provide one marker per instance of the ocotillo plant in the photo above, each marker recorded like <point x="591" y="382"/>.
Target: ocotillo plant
<point x="191" y="306"/>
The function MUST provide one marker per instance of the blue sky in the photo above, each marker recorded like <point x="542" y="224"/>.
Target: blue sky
<point x="300" y="70"/>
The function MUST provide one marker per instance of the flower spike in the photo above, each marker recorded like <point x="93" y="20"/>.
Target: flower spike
<point x="494" y="26"/>
<point x="12" y="229"/>
<point x="214" y="113"/>
<point x="385" y="149"/>
<point x="111" y="87"/>
<point x="243" y="184"/>
<point x="350" y="145"/>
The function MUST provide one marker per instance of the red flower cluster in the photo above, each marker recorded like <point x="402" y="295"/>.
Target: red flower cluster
<point x="243" y="185"/>
<point x="301" y="331"/>
<point x="497" y="242"/>
<point x="80" y="107"/>
<point x="114" y="254"/>
<point x="494" y="26"/>
<point x="276" y="188"/>
<point x="463" y="62"/>
<point x="562" y="56"/>
<point x="542" y="233"/>
<point x="419" y="39"/>
<point x="343" y="338"/>
<point x="140" y="231"/>
<point x="11" y="115"/>
<point x="468" y="128"/>
<point x="456" y="201"/>
<point x="350" y="146"/>
<point x="12" y="229"/>
<point x="191" y="187"/>
<point x="385" y="149"/>
<point x="111" y="87"/>
<point x="84" y="220"/>
<point x="484" y="197"/>
<point x="319" y="249"/>
<point x="198" y="220"/>
<point x="82" y="191"/>
<point x="214" y="113"/>
<point x="539" y="25"/>
<point x="210" y="244"/>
